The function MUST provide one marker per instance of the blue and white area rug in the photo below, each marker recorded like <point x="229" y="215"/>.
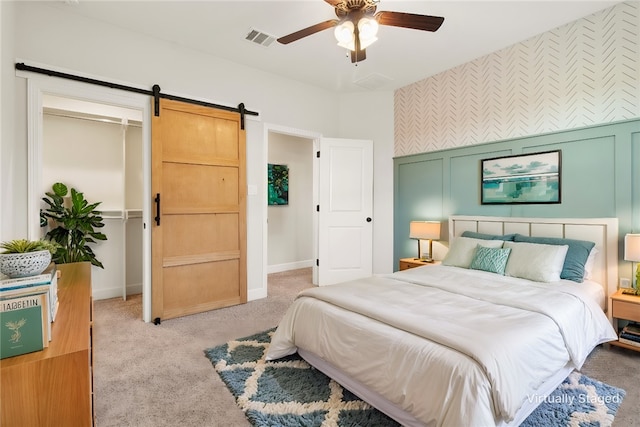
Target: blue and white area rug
<point x="288" y="392"/>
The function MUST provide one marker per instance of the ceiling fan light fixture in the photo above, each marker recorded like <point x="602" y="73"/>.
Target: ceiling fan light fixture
<point x="367" y="30"/>
<point x="367" y="27"/>
<point x="357" y="25"/>
<point x="345" y="34"/>
<point x="344" y="31"/>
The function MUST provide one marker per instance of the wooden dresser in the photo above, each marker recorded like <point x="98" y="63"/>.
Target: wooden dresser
<point x="53" y="387"/>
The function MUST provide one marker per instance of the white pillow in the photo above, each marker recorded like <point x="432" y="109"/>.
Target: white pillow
<point x="462" y="249"/>
<point x="535" y="261"/>
<point x="588" y="266"/>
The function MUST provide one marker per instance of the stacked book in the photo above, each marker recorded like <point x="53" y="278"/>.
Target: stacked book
<point x="28" y="305"/>
<point x="630" y="334"/>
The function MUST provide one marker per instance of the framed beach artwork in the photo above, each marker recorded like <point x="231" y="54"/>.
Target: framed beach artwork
<point x="278" y="184"/>
<point x="526" y="178"/>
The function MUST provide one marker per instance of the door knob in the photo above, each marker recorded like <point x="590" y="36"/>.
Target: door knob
<point x="368" y="219"/>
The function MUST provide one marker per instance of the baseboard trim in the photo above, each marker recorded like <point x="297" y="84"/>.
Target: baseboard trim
<point x="109" y="293"/>
<point x="254" y="294"/>
<point x="277" y="268"/>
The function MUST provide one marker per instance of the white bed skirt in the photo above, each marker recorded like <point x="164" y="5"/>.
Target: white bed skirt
<point x="408" y="420"/>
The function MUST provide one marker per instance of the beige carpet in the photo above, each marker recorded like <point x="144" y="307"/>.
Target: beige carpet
<point x="148" y="375"/>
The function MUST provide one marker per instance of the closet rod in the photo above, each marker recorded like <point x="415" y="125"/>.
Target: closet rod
<point x="105" y="119"/>
<point x="156" y="92"/>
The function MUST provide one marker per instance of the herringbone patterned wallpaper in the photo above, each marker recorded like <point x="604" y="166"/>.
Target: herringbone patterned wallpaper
<point x="584" y="73"/>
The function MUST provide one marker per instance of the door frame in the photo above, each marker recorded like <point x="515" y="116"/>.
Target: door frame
<point x="315" y="139"/>
<point x="37" y="86"/>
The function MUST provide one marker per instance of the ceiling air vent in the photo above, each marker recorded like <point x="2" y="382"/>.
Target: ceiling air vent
<point x="373" y="81"/>
<point x="258" y="37"/>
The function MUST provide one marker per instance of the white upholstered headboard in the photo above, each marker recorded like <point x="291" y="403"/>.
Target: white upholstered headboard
<point x="602" y="231"/>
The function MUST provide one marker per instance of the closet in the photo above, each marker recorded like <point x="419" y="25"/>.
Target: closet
<point x="97" y="149"/>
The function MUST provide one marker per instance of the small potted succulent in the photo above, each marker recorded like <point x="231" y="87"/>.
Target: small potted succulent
<point x="22" y="257"/>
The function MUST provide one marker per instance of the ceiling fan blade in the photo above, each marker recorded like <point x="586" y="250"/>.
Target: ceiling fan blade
<point x="307" y="31"/>
<point x="358" y="55"/>
<point x="409" y="20"/>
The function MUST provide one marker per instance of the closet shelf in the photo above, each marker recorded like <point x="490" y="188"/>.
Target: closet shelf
<point x="133" y="213"/>
<point x="111" y="214"/>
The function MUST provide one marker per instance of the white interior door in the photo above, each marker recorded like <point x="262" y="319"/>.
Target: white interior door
<point x="345" y="221"/>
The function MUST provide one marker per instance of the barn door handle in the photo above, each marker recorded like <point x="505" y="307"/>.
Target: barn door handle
<point x="157" y="200"/>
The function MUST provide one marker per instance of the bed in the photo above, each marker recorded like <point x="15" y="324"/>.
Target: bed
<point x="452" y="345"/>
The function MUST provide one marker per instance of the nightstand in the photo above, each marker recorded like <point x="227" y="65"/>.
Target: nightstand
<point x="624" y="307"/>
<point x="407" y="263"/>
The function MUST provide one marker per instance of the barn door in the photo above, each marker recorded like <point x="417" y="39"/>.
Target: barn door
<point x="198" y="236"/>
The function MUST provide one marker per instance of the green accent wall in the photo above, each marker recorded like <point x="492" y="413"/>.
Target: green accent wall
<point x="600" y="179"/>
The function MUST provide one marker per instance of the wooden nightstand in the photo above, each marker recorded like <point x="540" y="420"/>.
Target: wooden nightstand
<point x="407" y="263"/>
<point x="624" y="307"/>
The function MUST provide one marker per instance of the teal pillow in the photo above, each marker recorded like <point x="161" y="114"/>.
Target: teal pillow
<point x="577" y="255"/>
<point x="493" y="260"/>
<point x="484" y="236"/>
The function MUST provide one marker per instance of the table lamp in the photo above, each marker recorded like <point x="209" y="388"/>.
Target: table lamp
<point x="424" y="230"/>
<point x="632" y="253"/>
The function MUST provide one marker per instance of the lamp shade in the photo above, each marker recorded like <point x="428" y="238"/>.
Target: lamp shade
<point x="426" y="230"/>
<point x="632" y="247"/>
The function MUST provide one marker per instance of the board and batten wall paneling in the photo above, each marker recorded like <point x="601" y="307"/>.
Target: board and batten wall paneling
<point x="634" y="175"/>
<point x="588" y="173"/>
<point x="581" y="74"/>
<point x="464" y="171"/>
<point x="600" y="178"/>
<point x="423" y="199"/>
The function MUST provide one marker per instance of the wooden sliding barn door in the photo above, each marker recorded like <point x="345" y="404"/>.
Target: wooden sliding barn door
<point x="198" y="236"/>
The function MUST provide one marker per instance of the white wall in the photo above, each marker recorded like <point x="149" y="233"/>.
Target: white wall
<point x="43" y="35"/>
<point x="290" y="235"/>
<point x="86" y="155"/>
<point x="47" y="35"/>
<point x="133" y="159"/>
<point x="370" y="116"/>
<point x="3" y="61"/>
<point x="7" y="129"/>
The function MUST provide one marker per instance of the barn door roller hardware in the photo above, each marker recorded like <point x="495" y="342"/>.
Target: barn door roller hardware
<point x="155" y="92"/>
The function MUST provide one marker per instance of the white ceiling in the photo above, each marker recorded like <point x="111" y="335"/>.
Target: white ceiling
<point x="400" y="56"/>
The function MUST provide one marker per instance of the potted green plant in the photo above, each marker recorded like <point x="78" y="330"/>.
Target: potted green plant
<point x="73" y="225"/>
<point x="22" y="257"/>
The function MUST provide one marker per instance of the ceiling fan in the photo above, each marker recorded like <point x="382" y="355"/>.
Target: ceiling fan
<point x="357" y="25"/>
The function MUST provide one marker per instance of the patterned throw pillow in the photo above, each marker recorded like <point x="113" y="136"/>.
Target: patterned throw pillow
<point x="493" y="260"/>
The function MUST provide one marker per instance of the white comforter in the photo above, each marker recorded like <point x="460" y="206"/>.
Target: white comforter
<point x="450" y="346"/>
